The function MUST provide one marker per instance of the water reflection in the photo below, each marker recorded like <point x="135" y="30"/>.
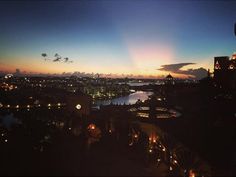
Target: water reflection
<point x="130" y="99"/>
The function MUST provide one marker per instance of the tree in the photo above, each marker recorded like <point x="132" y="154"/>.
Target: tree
<point x="44" y="55"/>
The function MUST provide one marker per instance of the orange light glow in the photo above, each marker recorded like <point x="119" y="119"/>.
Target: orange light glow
<point x="91" y="126"/>
<point x="191" y="173"/>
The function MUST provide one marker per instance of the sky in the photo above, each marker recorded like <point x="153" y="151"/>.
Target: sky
<point x="119" y="37"/>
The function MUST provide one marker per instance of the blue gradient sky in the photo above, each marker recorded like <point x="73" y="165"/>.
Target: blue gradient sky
<point x="130" y="37"/>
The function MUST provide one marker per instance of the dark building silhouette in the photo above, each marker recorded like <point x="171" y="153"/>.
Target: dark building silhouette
<point x="169" y="80"/>
<point x="225" y="72"/>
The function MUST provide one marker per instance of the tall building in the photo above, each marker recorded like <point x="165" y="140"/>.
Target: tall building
<point x="225" y="72"/>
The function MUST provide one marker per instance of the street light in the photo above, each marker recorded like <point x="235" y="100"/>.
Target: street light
<point x="78" y="106"/>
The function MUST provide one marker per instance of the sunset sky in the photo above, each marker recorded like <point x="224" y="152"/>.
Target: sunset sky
<point x="119" y="37"/>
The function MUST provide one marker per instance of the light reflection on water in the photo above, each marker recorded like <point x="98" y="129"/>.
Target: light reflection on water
<point x="130" y="99"/>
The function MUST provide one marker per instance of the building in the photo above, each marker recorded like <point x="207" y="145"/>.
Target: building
<point x="169" y="80"/>
<point x="225" y="72"/>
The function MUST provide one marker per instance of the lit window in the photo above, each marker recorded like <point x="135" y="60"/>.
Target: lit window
<point x="217" y="65"/>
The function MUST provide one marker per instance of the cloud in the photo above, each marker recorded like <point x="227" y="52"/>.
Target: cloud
<point x="174" y="67"/>
<point x="198" y="73"/>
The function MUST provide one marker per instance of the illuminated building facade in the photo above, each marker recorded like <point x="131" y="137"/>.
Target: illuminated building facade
<point x="225" y="72"/>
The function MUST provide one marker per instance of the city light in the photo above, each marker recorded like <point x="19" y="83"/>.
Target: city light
<point x="91" y="126"/>
<point x="8" y="76"/>
<point x="144" y="115"/>
<point x="131" y="88"/>
<point x="191" y="173"/>
<point x="78" y="106"/>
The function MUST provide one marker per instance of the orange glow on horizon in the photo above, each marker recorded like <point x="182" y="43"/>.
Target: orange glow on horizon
<point x="158" y="74"/>
<point x="144" y="59"/>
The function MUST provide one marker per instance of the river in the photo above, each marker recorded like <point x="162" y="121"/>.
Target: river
<point x="129" y="99"/>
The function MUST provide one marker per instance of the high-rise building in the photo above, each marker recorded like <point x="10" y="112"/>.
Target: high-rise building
<point x="225" y="72"/>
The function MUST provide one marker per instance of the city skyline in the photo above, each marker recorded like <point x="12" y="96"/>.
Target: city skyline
<point x="125" y="37"/>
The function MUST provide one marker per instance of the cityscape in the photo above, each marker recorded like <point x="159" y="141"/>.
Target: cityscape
<point x="98" y="88"/>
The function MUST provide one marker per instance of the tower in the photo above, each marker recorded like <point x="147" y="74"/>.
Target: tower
<point x="225" y="72"/>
